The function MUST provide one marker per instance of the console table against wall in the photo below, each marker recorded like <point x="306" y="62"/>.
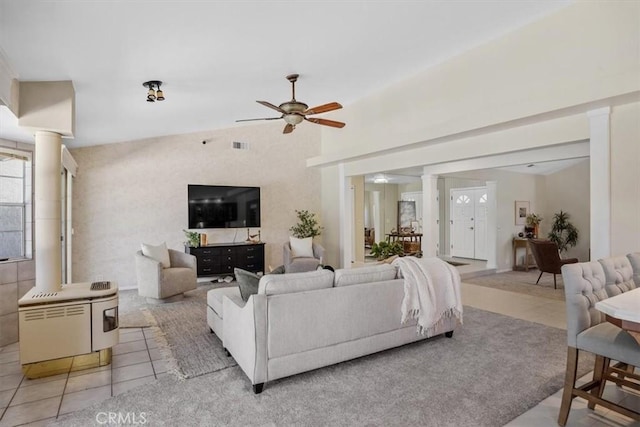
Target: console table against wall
<point x="221" y="258"/>
<point x="528" y="262"/>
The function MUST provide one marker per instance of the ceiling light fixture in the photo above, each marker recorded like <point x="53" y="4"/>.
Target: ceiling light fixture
<point x="154" y="93"/>
<point x="380" y="179"/>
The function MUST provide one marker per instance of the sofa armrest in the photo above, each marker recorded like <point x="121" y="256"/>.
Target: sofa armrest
<point x="244" y="334"/>
<point x="182" y="259"/>
<point x="148" y="275"/>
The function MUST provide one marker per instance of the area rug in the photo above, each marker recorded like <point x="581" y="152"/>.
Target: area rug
<point x="522" y="282"/>
<point x="180" y="328"/>
<point x="493" y="369"/>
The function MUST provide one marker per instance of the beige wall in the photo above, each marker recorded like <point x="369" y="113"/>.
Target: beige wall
<point x="625" y="179"/>
<point x="568" y="190"/>
<point x="133" y="192"/>
<point x="546" y="66"/>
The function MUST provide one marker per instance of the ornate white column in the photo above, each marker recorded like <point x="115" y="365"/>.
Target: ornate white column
<point x="47" y="207"/>
<point x="600" y="182"/>
<point x="430" y="206"/>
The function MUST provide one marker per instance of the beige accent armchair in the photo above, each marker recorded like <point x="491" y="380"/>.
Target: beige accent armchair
<point x="159" y="284"/>
<point x="302" y="264"/>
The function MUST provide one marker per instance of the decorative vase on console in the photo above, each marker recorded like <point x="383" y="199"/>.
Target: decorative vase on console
<point x="533" y="221"/>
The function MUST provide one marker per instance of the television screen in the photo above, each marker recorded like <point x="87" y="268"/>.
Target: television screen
<point x="221" y="206"/>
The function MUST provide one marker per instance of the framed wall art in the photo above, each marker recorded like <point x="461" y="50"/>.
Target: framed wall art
<point x="522" y="210"/>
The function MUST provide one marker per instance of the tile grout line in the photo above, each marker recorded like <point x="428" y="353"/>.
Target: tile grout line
<point x="153" y="368"/>
<point x="63" y="391"/>
<point x="4" y="411"/>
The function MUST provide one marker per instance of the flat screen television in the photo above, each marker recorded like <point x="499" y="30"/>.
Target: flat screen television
<point x="222" y="206"/>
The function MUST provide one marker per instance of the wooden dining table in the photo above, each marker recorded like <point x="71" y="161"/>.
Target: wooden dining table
<point x="623" y="310"/>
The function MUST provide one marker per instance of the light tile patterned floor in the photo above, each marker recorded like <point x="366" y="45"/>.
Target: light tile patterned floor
<point x="137" y="361"/>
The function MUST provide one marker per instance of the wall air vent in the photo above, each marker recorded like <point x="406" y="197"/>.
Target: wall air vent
<point x="240" y="145"/>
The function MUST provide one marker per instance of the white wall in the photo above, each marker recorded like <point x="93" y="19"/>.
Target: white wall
<point x="568" y="190"/>
<point x="134" y="192"/>
<point x="510" y="187"/>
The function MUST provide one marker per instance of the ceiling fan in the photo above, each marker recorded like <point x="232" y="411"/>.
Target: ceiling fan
<point x="294" y="112"/>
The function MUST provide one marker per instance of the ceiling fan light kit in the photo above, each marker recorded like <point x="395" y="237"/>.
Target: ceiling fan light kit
<point x="154" y="93"/>
<point x="294" y="112"/>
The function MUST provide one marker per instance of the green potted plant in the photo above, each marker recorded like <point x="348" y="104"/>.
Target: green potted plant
<point x="384" y="250"/>
<point x="307" y="225"/>
<point x="563" y="233"/>
<point x="193" y="238"/>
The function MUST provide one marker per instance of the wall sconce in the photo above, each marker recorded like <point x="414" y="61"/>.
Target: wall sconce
<point x="155" y="93"/>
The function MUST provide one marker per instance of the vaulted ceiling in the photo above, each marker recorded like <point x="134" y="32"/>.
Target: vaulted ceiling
<point x="217" y="57"/>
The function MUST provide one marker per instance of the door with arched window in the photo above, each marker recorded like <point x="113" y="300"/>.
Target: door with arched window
<point x="468" y="224"/>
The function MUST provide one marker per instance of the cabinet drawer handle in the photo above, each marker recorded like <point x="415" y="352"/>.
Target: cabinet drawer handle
<point x="206" y="259"/>
<point x="250" y="257"/>
<point x="251" y="265"/>
<point x="206" y="252"/>
<point x="206" y="269"/>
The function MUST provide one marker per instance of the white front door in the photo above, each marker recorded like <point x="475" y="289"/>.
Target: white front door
<point x="468" y="225"/>
<point x="462" y="235"/>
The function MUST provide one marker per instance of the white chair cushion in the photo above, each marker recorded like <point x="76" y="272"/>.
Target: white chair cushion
<point x="354" y="276"/>
<point x="301" y="247"/>
<point x="160" y="253"/>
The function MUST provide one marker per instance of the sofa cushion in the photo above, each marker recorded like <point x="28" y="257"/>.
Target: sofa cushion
<point x="160" y="253"/>
<point x="247" y="282"/>
<point x="215" y="297"/>
<point x="301" y="247"/>
<point x="273" y="284"/>
<point x="354" y="276"/>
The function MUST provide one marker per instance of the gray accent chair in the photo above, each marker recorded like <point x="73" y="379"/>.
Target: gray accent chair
<point x="585" y="284"/>
<point x="302" y="264"/>
<point x="159" y="284"/>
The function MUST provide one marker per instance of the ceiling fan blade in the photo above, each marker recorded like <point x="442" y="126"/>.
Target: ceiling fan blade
<point x="270" y="105"/>
<point x="265" y="118"/>
<point x="326" y="122"/>
<point x="288" y="128"/>
<point x="323" y="108"/>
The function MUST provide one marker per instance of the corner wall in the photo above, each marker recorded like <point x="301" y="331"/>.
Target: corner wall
<point x="134" y="192"/>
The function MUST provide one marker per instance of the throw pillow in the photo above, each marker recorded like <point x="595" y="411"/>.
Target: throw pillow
<point x="247" y="281"/>
<point x="301" y="247"/>
<point x="160" y="253"/>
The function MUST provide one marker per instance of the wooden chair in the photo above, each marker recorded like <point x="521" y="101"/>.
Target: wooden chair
<point x="548" y="260"/>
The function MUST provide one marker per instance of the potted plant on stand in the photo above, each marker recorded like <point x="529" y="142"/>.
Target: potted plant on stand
<point x="193" y="238"/>
<point x="563" y="233"/>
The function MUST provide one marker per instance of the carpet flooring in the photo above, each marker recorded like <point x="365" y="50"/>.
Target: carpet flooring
<point x="522" y="282"/>
<point x="493" y="369"/>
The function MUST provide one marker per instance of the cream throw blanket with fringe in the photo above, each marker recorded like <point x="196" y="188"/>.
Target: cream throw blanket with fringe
<point x="431" y="292"/>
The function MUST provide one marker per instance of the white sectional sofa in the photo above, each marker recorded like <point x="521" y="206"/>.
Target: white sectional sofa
<point x="302" y="321"/>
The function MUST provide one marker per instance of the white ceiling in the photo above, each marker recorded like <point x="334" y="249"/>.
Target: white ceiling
<point x="217" y="57"/>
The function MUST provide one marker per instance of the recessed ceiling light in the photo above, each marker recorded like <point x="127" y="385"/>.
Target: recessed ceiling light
<point x="530" y="165"/>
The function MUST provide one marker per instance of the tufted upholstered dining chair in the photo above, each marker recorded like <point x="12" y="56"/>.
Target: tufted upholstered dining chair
<point x="585" y="284"/>
<point x="548" y="260"/>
